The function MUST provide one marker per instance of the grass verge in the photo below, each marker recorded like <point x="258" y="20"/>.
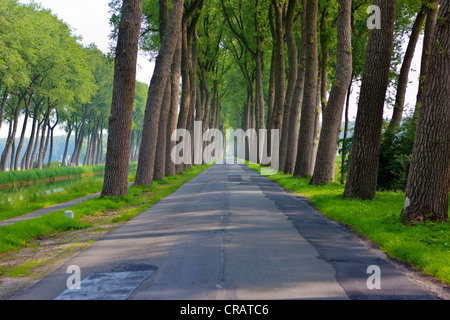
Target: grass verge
<point x="21" y="234"/>
<point x="426" y="246"/>
<point x="9" y="178"/>
<point x="18" y="201"/>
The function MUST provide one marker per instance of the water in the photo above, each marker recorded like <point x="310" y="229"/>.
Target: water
<point x="14" y="196"/>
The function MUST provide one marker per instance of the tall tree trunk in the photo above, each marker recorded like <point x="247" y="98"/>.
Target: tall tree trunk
<point x="430" y="24"/>
<point x="404" y="71"/>
<point x="303" y="165"/>
<point x="88" y="148"/>
<point x="271" y="92"/>
<point x="52" y="128"/>
<point x="36" y="145"/>
<point x="175" y="75"/>
<point x="297" y="100"/>
<point x="280" y="84"/>
<point x="326" y="153"/>
<point x="364" y="157"/>
<point x="145" y="169"/>
<point x="26" y="157"/>
<point x="79" y="140"/>
<point x="160" y="157"/>
<point x="324" y="60"/>
<point x="100" y="146"/>
<point x="292" y="80"/>
<point x="22" y="136"/>
<point x="429" y="175"/>
<point x="12" y="136"/>
<point x="118" y="150"/>
<point x="192" y="34"/>
<point x="259" y="61"/>
<point x="66" y="147"/>
<point x="43" y="151"/>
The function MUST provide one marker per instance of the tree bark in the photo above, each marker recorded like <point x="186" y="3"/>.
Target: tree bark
<point x="160" y="156"/>
<point x="397" y="115"/>
<point x="22" y="136"/>
<point x="12" y="136"/>
<point x="303" y="165"/>
<point x="120" y="120"/>
<point x="146" y="162"/>
<point x="326" y="153"/>
<point x="259" y="61"/>
<point x="66" y="147"/>
<point x="173" y="114"/>
<point x="26" y="157"/>
<point x="292" y="80"/>
<point x="363" y="165"/>
<point x="428" y="181"/>
<point x="430" y="25"/>
<point x="280" y="82"/>
<point x="297" y="100"/>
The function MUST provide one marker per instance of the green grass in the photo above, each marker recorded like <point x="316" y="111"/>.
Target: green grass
<point x="21" y="200"/>
<point x="21" y="234"/>
<point x="11" y="177"/>
<point x="424" y="246"/>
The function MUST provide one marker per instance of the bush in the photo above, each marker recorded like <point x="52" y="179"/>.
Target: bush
<point x="395" y="156"/>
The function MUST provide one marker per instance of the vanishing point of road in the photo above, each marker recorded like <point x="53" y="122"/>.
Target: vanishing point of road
<point x="227" y="234"/>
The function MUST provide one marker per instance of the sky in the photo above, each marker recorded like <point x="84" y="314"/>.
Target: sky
<point x="90" y="20"/>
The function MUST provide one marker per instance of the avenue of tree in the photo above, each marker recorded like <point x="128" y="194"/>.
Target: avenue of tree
<point x="252" y="64"/>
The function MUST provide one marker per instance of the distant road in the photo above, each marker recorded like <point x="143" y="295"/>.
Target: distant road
<point x="228" y="234"/>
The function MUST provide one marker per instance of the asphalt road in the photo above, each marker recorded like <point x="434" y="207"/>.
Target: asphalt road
<point x="228" y="234"/>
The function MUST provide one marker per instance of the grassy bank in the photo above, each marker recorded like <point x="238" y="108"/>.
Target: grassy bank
<point x="424" y="246"/>
<point x="21" y="200"/>
<point x="20" y="234"/>
<point x="8" y="178"/>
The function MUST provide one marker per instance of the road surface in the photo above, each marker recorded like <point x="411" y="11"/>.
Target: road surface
<point x="228" y="234"/>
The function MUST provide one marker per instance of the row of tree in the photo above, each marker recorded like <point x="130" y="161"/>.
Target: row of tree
<point x="315" y="50"/>
<point x="48" y="79"/>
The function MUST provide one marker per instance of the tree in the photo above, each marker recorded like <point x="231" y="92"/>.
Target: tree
<point x="297" y="99"/>
<point x="363" y="164"/>
<point x="326" y="154"/>
<point x="303" y="165"/>
<point x="118" y="149"/>
<point x="429" y="176"/>
<point x="430" y="24"/>
<point x="145" y="170"/>
<point x="404" y="71"/>
<point x="292" y="80"/>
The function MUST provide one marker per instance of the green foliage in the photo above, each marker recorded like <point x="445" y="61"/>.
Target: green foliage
<point x="395" y="156"/>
